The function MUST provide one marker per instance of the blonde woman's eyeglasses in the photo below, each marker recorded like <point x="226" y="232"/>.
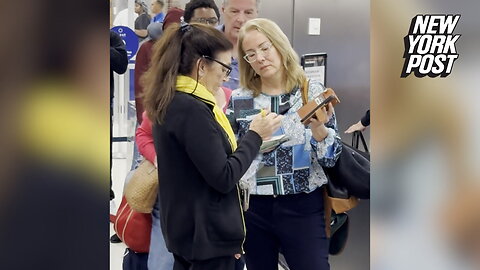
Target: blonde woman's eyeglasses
<point x="264" y="49"/>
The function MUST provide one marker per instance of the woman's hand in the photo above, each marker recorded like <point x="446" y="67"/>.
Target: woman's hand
<point x="265" y="124"/>
<point x="317" y="125"/>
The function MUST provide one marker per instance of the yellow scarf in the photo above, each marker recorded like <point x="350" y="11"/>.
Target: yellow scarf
<point x="186" y="84"/>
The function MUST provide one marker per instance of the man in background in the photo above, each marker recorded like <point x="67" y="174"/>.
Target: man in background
<point x="202" y="11"/>
<point x="157" y="10"/>
<point x="235" y="14"/>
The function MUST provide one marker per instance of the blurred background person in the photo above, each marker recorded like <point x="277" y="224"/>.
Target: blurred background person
<point x="188" y="63"/>
<point x="142" y="21"/>
<point x="174" y="15"/>
<point x="157" y="11"/>
<point x="142" y="62"/>
<point x="286" y="211"/>
<point x="144" y="56"/>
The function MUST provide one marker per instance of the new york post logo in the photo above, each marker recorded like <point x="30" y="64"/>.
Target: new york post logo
<point x="430" y="46"/>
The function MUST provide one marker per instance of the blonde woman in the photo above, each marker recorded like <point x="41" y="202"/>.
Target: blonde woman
<point x="286" y="210"/>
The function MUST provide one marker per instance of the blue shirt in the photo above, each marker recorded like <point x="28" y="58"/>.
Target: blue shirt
<point x="158" y="18"/>
<point x="295" y="166"/>
<point x="234" y="81"/>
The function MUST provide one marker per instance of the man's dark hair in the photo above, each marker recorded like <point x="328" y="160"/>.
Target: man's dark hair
<point x="194" y="4"/>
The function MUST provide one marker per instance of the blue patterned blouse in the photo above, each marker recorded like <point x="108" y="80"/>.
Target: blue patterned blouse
<point x="296" y="165"/>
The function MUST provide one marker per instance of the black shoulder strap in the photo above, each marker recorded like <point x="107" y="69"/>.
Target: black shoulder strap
<point x="356" y="137"/>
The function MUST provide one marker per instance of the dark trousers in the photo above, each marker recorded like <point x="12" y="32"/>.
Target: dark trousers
<point x="220" y="263"/>
<point x="291" y="224"/>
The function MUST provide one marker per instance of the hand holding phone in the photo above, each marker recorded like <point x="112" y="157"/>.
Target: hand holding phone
<point x="313" y="109"/>
<point x="319" y="106"/>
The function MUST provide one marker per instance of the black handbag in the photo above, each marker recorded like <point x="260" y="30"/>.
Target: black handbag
<point x="351" y="174"/>
<point x="348" y="180"/>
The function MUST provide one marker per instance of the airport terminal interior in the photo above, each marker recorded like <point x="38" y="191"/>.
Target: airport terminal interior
<point x="338" y="31"/>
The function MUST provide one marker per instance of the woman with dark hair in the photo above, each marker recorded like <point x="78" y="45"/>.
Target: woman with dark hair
<point x="199" y="161"/>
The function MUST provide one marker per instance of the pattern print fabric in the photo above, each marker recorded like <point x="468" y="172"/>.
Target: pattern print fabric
<point x="296" y="165"/>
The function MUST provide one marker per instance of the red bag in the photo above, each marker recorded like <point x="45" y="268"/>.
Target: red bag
<point x="133" y="228"/>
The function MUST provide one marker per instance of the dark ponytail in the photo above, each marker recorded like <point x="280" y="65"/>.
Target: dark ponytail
<point x="175" y="53"/>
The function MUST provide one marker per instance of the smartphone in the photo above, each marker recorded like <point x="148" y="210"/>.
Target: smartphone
<point x="319" y="106"/>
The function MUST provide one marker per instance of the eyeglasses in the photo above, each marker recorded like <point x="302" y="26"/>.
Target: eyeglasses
<point x="209" y="21"/>
<point x="264" y="49"/>
<point x="227" y="70"/>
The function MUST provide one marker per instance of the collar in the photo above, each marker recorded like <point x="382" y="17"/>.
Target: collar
<point x="221" y="28"/>
<point x="159" y="17"/>
<point x="190" y="86"/>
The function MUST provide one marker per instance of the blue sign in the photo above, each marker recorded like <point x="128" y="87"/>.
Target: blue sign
<point x="130" y="39"/>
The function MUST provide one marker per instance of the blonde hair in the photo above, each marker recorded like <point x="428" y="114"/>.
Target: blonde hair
<point x="293" y="74"/>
